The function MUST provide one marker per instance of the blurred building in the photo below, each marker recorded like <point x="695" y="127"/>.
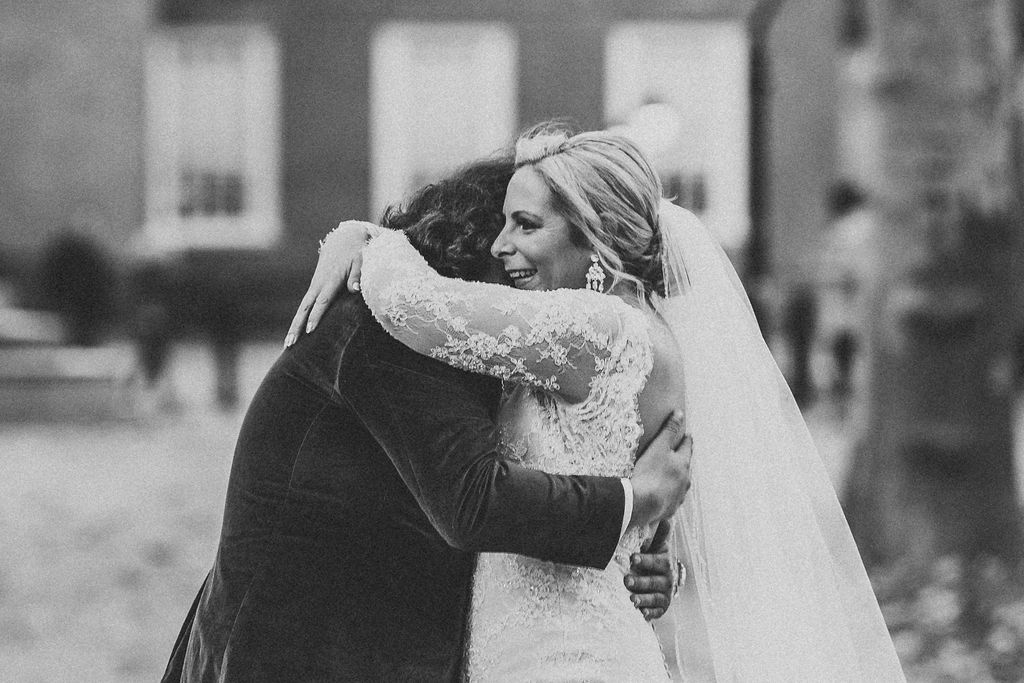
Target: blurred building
<point x="225" y="137"/>
<point x="71" y="122"/>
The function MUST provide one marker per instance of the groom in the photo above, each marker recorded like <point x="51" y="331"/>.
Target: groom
<point x="366" y="476"/>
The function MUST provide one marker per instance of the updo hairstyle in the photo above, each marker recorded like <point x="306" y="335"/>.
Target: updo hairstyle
<point x="608" y="193"/>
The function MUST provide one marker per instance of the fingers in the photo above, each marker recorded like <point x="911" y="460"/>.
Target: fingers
<point x="652" y="614"/>
<point x="328" y="292"/>
<point x="674" y="428"/>
<point x="317" y="312"/>
<point x="654" y="583"/>
<point x="338" y="266"/>
<point x="685" y="450"/>
<point x="659" y="542"/>
<point x="649" y="600"/>
<point x="687" y="446"/>
<point x="650" y="575"/>
<point x="651" y="605"/>
<point x="650" y="581"/>
<point x="355" y="273"/>
<point x="674" y="424"/>
<point x="644" y="565"/>
<point x="299" y="320"/>
<point x="666" y="434"/>
<point x="322" y="291"/>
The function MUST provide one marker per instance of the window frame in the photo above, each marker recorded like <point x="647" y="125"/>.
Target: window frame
<point x="494" y="77"/>
<point x="258" y="224"/>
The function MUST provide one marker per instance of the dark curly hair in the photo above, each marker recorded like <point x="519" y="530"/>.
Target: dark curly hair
<point x="454" y="221"/>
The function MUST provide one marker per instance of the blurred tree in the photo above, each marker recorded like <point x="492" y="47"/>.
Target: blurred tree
<point x="933" y="473"/>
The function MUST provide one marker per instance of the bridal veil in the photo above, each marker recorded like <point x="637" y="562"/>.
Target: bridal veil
<point x="778" y="588"/>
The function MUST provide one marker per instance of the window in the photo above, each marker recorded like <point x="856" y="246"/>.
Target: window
<point x="212" y="177"/>
<point x="682" y="91"/>
<point x="442" y="94"/>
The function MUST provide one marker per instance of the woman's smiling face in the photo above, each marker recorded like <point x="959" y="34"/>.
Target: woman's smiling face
<point x="536" y="244"/>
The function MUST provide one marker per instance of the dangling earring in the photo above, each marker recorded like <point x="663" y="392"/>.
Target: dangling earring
<point x="595" y="275"/>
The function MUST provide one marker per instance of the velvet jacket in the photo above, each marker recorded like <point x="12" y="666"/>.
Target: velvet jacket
<point x="364" y="480"/>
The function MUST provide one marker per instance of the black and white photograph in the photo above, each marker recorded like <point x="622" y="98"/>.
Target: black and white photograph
<point x="502" y="341"/>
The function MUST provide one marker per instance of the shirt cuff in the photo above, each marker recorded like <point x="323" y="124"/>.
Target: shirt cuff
<point x="627" y="512"/>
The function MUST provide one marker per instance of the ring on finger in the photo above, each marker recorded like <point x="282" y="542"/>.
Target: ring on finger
<point x="679" y="577"/>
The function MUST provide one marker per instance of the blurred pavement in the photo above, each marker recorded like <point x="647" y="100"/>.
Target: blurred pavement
<point x="107" y="530"/>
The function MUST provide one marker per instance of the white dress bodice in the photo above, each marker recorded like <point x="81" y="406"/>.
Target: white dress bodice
<point x="536" y="620"/>
<point x="533" y="620"/>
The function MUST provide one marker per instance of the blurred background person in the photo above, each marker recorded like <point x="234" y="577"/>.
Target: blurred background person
<point x="845" y="277"/>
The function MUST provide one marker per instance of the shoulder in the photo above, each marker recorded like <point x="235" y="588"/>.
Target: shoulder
<point x="376" y="354"/>
<point x="587" y="310"/>
<point x="340" y="323"/>
<point x="606" y="326"/>
<point x="346" y="318"/>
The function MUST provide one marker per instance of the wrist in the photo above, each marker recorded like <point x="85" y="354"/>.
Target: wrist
<point x="355" y="232"/>
<point x="646" y="505"/>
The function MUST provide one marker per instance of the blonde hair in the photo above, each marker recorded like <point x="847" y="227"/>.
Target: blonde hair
<point x="608" y="192"/>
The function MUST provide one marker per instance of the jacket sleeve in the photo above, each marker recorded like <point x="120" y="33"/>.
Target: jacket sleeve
<point x="434" y="424"/>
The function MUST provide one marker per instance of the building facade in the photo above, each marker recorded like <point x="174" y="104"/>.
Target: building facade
<point x="243" y="130"/>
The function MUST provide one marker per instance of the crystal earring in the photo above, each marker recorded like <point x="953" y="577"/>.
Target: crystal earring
<point x="595" y="275"/>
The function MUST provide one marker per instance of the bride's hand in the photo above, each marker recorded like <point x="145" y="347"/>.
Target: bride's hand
<point x="661" y="475"/>
<point x="339" y="265"/>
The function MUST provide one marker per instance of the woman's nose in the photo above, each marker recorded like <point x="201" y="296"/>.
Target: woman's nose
<point x="501" y="245"/>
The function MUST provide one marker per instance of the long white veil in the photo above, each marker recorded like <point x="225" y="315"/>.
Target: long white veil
<point x="778" y="591"/>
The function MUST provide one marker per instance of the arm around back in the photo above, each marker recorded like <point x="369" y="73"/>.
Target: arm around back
<point x="435" y="424"/>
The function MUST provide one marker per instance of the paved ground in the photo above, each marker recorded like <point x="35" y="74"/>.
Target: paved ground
<point x="107" y="530"/>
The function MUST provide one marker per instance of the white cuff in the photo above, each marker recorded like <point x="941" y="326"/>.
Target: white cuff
<point x="627" y="512"/>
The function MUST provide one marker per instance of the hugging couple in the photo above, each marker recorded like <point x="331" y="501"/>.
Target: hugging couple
<point x="470" y="461"/>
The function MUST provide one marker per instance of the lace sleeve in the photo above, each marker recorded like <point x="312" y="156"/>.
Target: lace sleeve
<point x="555" y="340"/>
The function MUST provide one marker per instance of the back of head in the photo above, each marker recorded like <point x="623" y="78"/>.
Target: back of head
<point x="454" y="221"/>
<point x="609" y="194"/>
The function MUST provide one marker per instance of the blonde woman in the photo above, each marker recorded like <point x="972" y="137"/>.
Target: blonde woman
<point x="621" y="307"/>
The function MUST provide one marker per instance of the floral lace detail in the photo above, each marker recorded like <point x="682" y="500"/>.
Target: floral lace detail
<point x="556" y="341"/>
<point x="536" y="620"/>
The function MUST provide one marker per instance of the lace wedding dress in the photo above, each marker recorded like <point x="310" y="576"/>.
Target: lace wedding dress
<point x="536" y="620"/>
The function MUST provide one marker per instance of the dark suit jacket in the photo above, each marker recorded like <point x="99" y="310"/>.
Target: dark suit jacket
<point x="364" y="478"/>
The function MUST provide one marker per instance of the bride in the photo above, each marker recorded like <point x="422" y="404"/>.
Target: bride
<point x="622" y="308"/>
